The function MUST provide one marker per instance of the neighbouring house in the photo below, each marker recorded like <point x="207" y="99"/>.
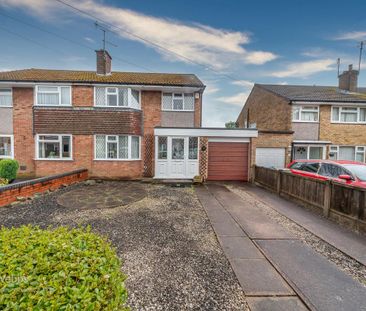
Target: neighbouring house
<point x="116" y="125"/>
<point x="307" y="122"/>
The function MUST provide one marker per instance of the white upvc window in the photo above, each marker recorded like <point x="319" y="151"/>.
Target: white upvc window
<point x="309" y="152"/>
<point x="53" y="147"/>
<point x="305" y="113"/>
<point x="113" y="96"/>
<point x="6" y="146"/>
<point x="177" y="102"/>
<point x="117" y="147"/>
<point x="348" y="115"/>
<point x="6" y="97"/>
<point x="351" y="153"/>
<point x="51" y="95"/>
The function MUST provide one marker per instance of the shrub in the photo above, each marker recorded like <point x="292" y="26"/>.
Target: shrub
<point x="9" y="169"/>
<point x="59" y="269"/>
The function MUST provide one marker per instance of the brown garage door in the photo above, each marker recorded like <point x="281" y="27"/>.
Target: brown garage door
<point x="227" y="161"/>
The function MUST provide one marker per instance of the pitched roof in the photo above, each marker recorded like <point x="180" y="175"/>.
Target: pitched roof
<point x="315" y="93"/>
<point x="132" y="78"/>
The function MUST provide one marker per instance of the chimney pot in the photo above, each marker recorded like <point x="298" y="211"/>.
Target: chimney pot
<point x="104" y="62"/>
<point x="348" y="80"/>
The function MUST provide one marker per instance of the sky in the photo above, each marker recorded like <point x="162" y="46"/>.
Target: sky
<point x="229" y="45"/>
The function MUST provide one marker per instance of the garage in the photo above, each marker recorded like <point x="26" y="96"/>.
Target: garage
<point x="270" y="157"/>
<point x="228" y="161"/>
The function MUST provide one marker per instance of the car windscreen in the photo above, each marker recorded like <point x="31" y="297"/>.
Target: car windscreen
<point x="358" y="170"/>
<point x="311" y="167"/>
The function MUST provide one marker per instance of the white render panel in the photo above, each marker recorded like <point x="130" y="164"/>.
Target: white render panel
<point x="205" y="132"/>
<point x="6" y="120"/>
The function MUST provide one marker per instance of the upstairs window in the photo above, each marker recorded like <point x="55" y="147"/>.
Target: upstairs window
<point x="348" y="115"/>
<point x="305" y="113"/>
<point x="178" y="101"/>
<point x="117" y="97"/>
<point x="6" y="99"/>
<point x="53" y="95"/>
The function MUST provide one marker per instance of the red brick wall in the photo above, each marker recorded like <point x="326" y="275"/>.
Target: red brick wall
<point x="27" y="189"/>
<point x="23" y="129"/>
<point x="198" y="111"/>
<point x="83" y="157"/>
<point x="82" y="96"/>
<point x="151" y="107"/>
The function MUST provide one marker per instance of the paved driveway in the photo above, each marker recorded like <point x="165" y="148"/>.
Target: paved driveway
<point x="170" y="252"/>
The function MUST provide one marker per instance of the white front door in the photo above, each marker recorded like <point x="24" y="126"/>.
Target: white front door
<point x="176" y="157"/>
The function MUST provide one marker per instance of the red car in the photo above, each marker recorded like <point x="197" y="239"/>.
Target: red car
<point x="349" y="172"/>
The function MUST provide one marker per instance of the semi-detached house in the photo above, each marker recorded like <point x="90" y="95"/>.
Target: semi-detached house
<point x="307" y="121"/>
<point x="115" y="124"/>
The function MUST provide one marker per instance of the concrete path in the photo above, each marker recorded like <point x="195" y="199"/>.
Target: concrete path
<point x="348" y="242"/>
<point x="275" y="270"/>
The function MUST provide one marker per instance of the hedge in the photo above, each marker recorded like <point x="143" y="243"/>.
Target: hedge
<point x="9" y="169"/>
<point x="59" y="269"/>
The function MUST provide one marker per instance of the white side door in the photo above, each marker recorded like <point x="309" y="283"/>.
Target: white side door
<point x="177" y="157"/>
<point x="270" y="157"/>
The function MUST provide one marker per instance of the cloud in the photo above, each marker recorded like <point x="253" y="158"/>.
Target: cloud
<point x="352" y="35"/>
<point x="245" y="83"/>
<point x="237" y="99"/>
<point x="305" y="69"/>
<point x="89" y="39"/>
<point x="210" y="46"/>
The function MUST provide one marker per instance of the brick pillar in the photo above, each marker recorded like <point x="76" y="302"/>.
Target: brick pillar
<point x="203" y="157"/>
<point x="151" y="109"/>
<point x="24" y="148"/>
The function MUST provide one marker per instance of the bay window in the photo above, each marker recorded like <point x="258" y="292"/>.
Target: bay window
<point x="117" y="97"/>
<point x="178" y="101"/>
<point x="351" y="153"/>
<point x="6" y="97"/>
<point x="6" y="146"/>
<point x="348" y="114"/>
<point x="117" y="147"/>
<point x="54" y="147"/>
<point x="305" y="113"/>
<point x="53" y="95"/>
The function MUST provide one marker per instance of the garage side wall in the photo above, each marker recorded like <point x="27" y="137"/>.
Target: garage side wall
<point x="203" y="157"/>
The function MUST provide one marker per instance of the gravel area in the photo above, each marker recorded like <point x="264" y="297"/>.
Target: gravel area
<point x="170" y="252"/>
<point x="344" y="262"/>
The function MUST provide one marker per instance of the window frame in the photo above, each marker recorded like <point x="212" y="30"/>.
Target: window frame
<point x="308" y="151"/>
<point x="129" y="158"/>
<point x="357" y="148"/>
<point x="172" y="101"/>
<point x="11" y="136"/>
<point x="117" y="87"/>
<point x="60" y="142"/>
<point x="301" y="108"/>
<point x="11" y="95"/>
<point x="59" y="95"/>
<point x="340" y="112"/>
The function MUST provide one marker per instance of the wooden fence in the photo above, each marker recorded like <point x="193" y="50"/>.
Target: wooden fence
<point x="344" y="203"/>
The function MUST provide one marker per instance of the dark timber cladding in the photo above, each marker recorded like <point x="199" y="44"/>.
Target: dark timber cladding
<point x="228" y="161"/>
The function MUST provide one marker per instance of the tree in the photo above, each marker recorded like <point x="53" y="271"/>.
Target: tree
<point x="231" y="124"/>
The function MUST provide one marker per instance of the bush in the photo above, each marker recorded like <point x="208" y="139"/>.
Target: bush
<point x="9" y="169"/>
<point x="59" y="269"/>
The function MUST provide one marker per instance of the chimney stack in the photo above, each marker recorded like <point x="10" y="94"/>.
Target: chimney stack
<point x="348" y="80"/>
<point x="104" y="63"/>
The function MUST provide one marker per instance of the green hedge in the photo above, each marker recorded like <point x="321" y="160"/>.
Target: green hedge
<point x="59" y="269"/>
<point x="9" y="169"/>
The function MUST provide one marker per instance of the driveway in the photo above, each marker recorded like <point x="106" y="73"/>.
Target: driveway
<point x="275" y="266"/>
<point x="170" y="252"/>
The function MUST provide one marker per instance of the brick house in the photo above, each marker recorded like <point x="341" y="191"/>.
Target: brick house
<point x="116" y="124"/>
<point x="307" y="122"/>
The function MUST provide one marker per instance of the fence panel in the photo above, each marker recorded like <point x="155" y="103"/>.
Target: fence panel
<point x="266" y="176"/>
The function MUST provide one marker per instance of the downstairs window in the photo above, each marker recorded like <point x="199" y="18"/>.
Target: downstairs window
<point x="117" y="147"/>
<point x="54" y="147"/>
